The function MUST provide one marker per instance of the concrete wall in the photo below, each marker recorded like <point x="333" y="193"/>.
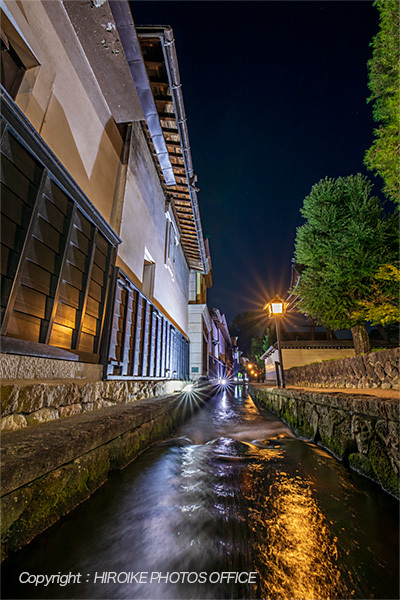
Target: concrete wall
<point x="372" y="370"/>
<point x="361" y="430"/>
<point x="47" y="471"/>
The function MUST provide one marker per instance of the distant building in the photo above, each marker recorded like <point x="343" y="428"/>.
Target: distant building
<point x="221" y="358"/>
<point x="200" y="324"/>
<point x="299" y="353"/>
<point x="304" y="342"/>
<point x="101" y="231"/>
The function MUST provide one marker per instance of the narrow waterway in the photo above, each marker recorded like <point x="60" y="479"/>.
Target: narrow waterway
<point x="233" y="492"/>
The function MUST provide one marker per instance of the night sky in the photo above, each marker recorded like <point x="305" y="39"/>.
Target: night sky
<point x="275" y="96"/>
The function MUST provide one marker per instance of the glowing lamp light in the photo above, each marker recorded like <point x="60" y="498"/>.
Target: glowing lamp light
<point x="276" y="307"/>
<point x="188" y="388"/>
<point x="223" y="381"/>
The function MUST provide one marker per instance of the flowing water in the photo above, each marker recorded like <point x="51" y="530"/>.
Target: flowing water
<point x="234" y="503"/>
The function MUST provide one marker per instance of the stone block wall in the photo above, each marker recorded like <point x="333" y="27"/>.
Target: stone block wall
<point x="25" y="404"/>
<point x="361" y="430"/>
<point x="19" y="367"/>
<point x="372" y="370"/>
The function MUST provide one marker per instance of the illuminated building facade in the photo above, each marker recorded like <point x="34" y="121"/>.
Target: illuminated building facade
<point x="200" y="324"/>
<point x="101" y="231"/>
<point x="221" y="359"/>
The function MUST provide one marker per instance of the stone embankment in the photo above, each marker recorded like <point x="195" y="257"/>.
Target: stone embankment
<point x="24" y="404"/>
<point x="360" y="429"/>
<point x="49" y="469"/>
<point x="372" y="370"/>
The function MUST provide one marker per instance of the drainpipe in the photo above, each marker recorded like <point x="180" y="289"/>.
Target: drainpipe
<point x="130" y="43"/>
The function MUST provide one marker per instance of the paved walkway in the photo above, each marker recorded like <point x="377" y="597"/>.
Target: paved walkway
<point x="377" y="392"/>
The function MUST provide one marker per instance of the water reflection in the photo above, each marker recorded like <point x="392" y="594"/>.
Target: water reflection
<point x="232" y="491"/>
<point x="297" y="554"/>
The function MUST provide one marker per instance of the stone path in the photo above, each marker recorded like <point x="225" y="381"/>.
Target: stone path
<point x="377" y="392"/>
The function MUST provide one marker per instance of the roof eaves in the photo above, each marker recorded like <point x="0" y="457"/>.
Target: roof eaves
<point x="165" y="34"/>
<point x="130" y="43"/>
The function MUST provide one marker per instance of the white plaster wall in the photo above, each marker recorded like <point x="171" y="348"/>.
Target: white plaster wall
<point x="297" y="357"/>
<point x="198" y="315"/>
<point x="144" y="226"/>
<point x="63" y="101"/>
<point x="192" y="286"/>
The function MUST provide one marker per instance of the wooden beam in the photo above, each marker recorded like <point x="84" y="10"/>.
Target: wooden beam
<point x="111" y="257"/>
<point x="86" y="285"/>
<point x="24" y="253"/>
<point x="169" y="129"/>
<point x="54" y="301"/>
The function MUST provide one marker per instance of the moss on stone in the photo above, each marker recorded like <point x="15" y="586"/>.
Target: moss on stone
<point x="12" y="506"/>
<point x="361" y="464"/>
<point x="44" y="501"/>
<point x="123" y="450"/>
<point x="97" y="466"/>
<point x="144" y="434"/>
<point x="289" y="417"/>
<point x="158" y="431"/>
<point x="340" y="444"/>
<point x="305" y="429"/>
<point x="382" y="467"/>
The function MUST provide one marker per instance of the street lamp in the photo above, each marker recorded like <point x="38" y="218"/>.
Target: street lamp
<point x="276" y="308"/>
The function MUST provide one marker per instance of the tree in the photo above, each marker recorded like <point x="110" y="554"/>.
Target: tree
<point x="382" y="307"/>
<point x="344" y="242"/>
<point x="246" y="325"/>
<point x="257" y="351"/>
<point x="260" y="344"/>
<point x="384" y="83"/>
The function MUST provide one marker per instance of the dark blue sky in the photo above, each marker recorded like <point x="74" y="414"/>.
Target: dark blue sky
<point x="275" y="96"/>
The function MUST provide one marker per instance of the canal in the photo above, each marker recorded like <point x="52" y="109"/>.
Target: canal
<point x="234" y="503"/>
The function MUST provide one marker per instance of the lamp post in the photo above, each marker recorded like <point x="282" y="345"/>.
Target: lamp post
<point x="276" y="308"/>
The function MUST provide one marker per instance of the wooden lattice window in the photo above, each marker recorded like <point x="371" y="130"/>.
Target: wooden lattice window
<point x="142" y="342"/>
<point x="21" y="177"/>
<point x="56" y="260"/>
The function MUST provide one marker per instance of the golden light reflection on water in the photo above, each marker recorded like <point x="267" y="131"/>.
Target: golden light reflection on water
<point x="297" y="555"/>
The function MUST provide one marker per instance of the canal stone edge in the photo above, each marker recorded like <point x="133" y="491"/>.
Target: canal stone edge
<point x="360" y="430"/>
<point x="28" y="402"/>
<point x="50" y="469"/>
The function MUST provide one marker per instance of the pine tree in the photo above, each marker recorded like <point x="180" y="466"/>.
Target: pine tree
<point x="342" y="245"/>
